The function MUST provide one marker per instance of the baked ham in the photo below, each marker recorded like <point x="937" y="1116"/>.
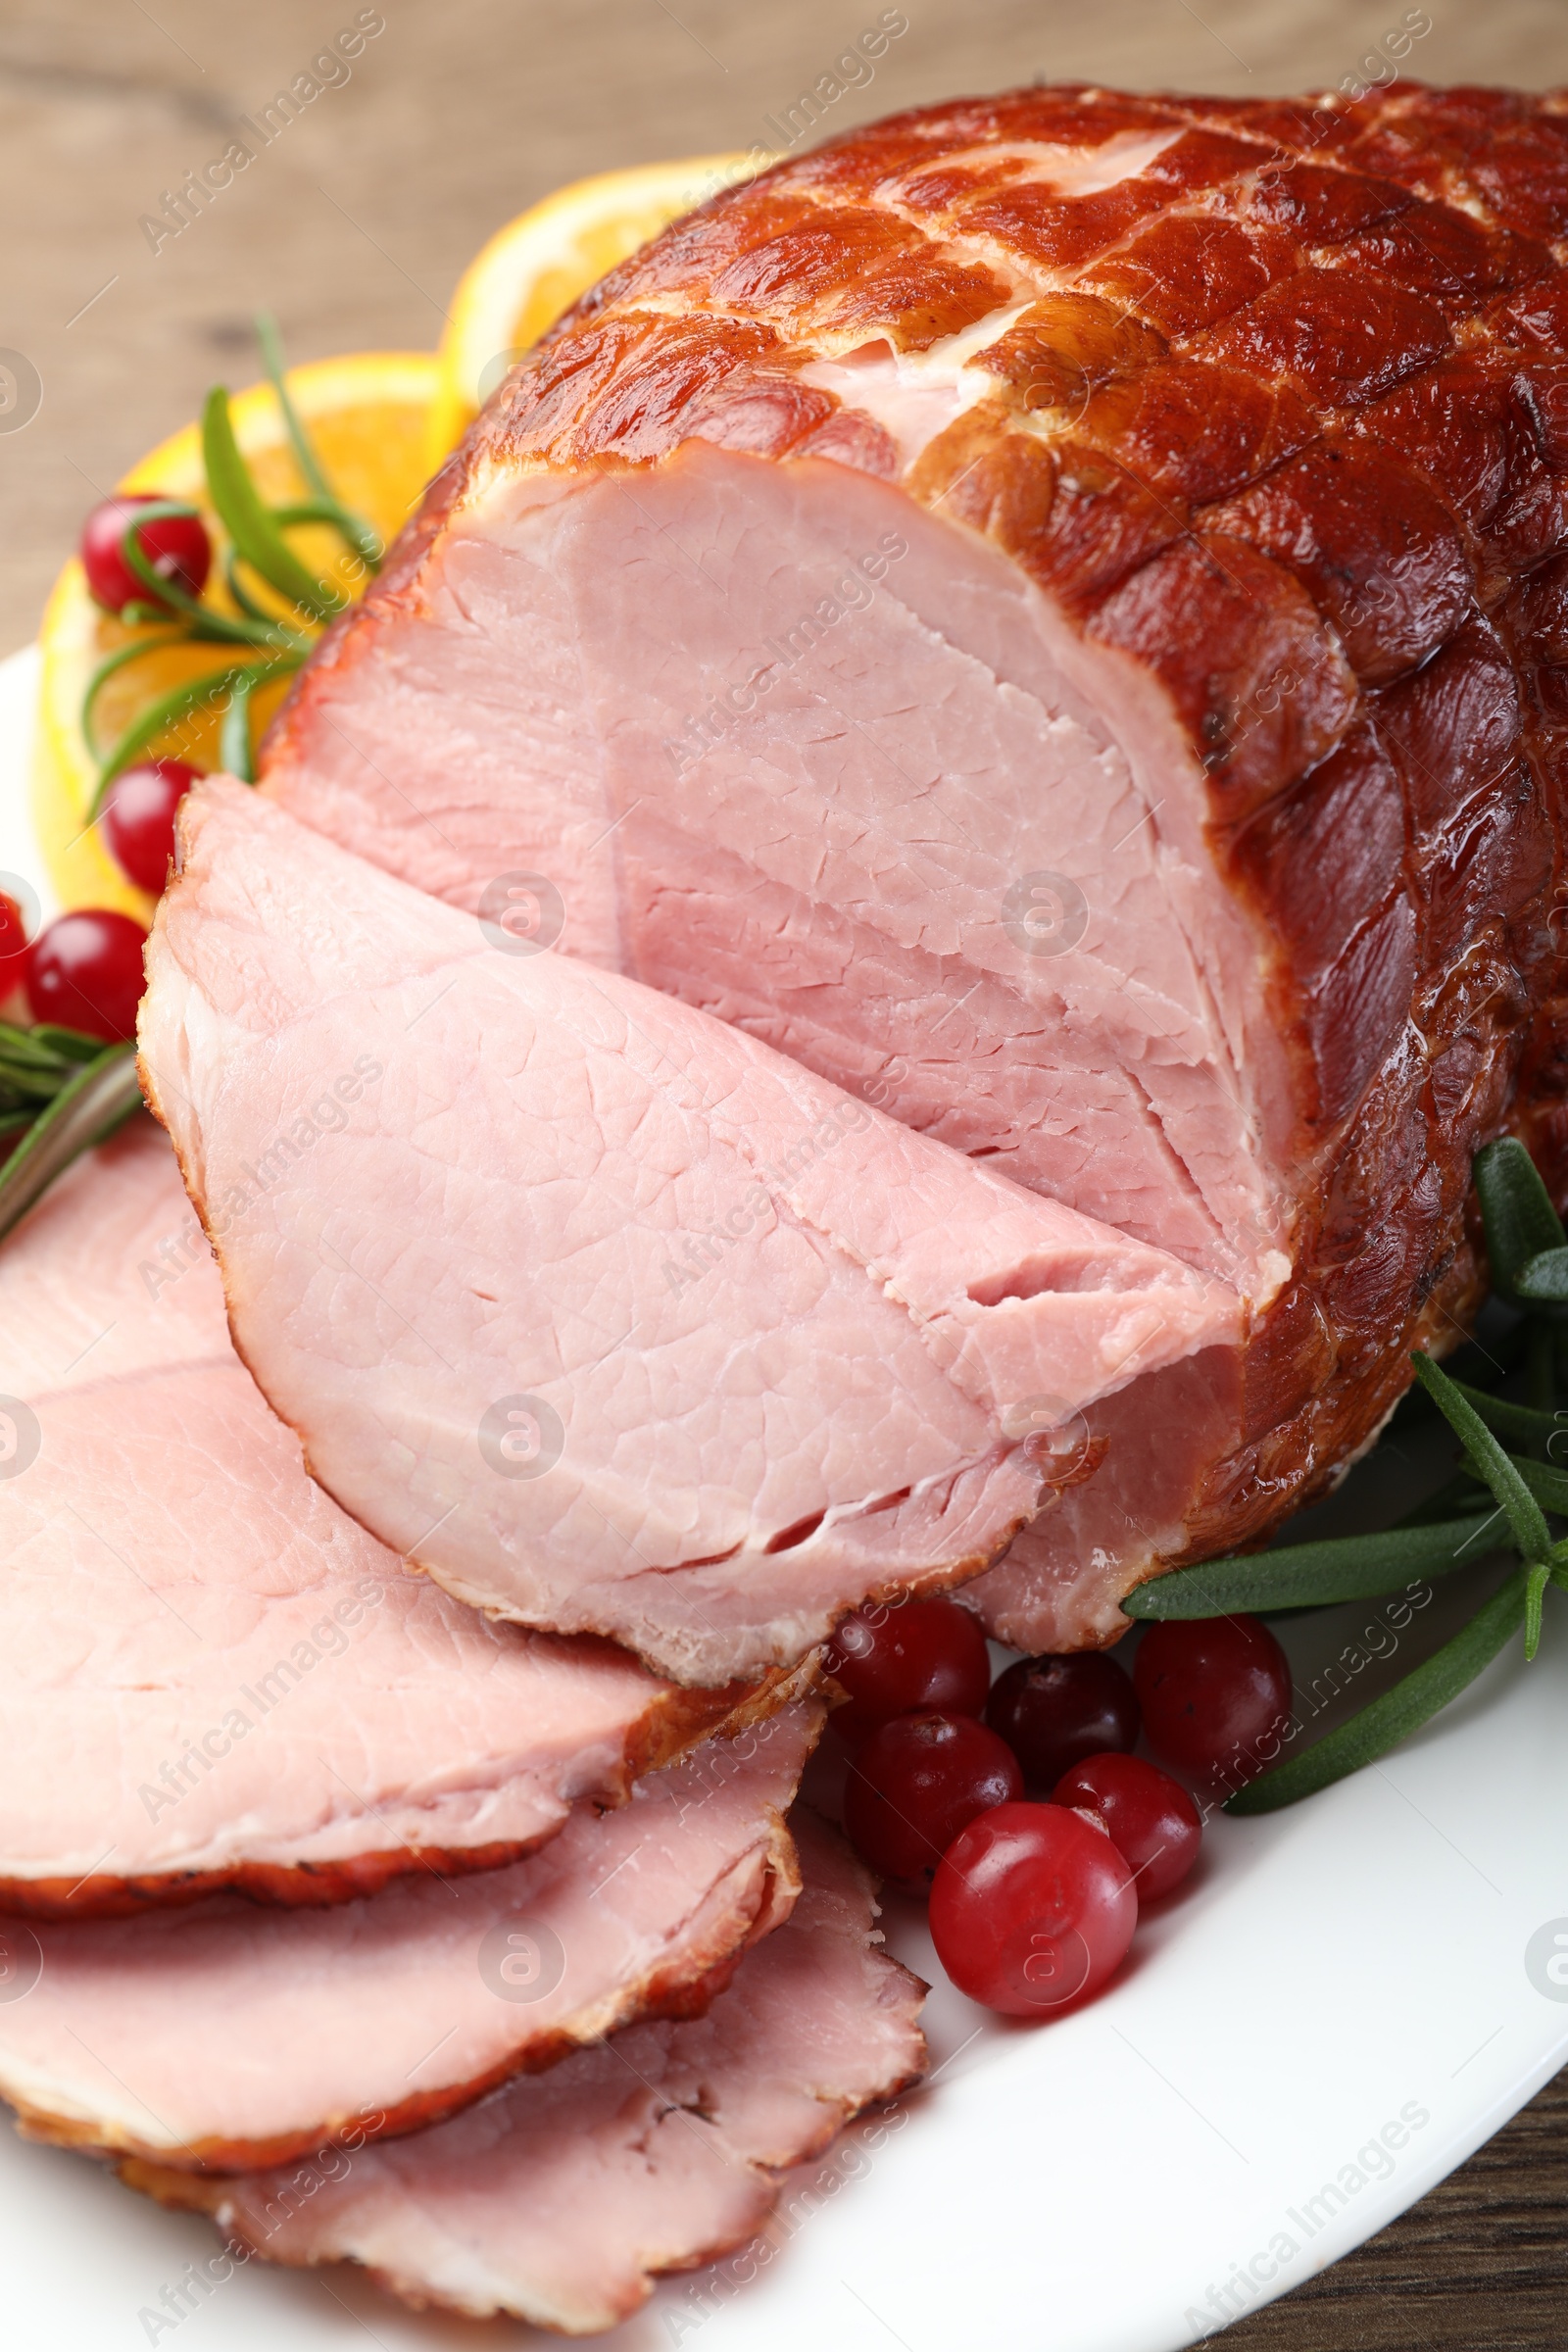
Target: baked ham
<point x="215" y="1677"/>
<point x="224" y="2036"/>
<point x="559" y="2198"/>
<point x="491" y="1301"/>
<point x="1048" y="612"/>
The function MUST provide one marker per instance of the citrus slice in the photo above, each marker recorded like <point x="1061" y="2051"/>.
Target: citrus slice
<point x="536" y="267"/>
<point x="368" y="414"/>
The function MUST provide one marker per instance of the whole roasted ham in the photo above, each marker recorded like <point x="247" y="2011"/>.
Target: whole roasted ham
<point x="1047" y="611"/>
<point x="475" y="1299"/>
<point x="217" y="1677"/>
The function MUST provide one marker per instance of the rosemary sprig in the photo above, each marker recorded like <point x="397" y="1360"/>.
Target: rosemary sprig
<point x="1529" y="1254"/>
<point x="1397" y="1714"/>
<point x="1311" y="1575"/>
<point x="63" y="1092"/>
<point x="276" y="643"/>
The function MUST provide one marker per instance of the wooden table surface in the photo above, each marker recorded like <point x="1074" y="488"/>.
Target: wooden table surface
<point x="353" y="226"/>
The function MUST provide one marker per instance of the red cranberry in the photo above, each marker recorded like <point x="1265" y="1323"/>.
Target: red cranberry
<point x="138" y="818"/>
<point x="916" y="1784"/>
<point x="1054" y="1711"/>
<point x="1148" y="1818"/>
<point x="894" y="1662"/>
<point x="1216" y="1693"/>
<point x="175" y="546"/>
<point x="1032" y="1908"/>
<point x="84" y="973"/>
<point x="13" y="943"/>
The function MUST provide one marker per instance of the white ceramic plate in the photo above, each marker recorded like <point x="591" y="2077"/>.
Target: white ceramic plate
<point x="1351" y="1997"/>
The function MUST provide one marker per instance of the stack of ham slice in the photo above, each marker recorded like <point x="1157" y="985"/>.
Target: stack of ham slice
<point x="309" y="1856"/>
<point x="559" y="2197"/>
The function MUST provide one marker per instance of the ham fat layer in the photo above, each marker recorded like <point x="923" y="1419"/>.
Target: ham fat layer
<point x="217" y="1677"/>
<point x="1050" y="609"/>
<point x="561" y="2197"/>
<point x="225" y="2037"/>
<point x="613" y="1317"/>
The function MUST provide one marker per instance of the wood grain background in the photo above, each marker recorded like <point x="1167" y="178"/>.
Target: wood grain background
<point x="353" y="224"/>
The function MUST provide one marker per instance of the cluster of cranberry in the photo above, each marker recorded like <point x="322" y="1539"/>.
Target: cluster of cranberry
<point x="84" y="970"/>
<point x="1018" y="1806"/>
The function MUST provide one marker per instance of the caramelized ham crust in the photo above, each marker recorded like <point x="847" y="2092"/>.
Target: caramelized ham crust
<point x="1049" y="610"/>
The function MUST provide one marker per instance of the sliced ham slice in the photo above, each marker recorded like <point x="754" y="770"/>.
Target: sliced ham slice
<point x="1051" y="606"/>
<point x="766" y="1350"/>
<point x="216" y="1676"/>
<point x="562" y="2197"/>
<point x="229" y="2037"/>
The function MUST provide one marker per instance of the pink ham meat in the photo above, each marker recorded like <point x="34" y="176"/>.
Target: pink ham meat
<point x="562" y="2197"/>
<point x="755" y="1349"/>
<point x="217" y="1677"/>
<point x="1051" y="607"/>
<point x="229" y="2037"/>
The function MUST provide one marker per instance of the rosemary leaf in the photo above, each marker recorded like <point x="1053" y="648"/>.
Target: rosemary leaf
<point x="248" y="523"/>
<point x="1305" y="1576"/>
<point x="235" y="739"/>
<point x="1520" y="1507"/>
<point x="106" y="670"/>
<point x="1547" y="1485"/>
<point x="1397" y="1713"/>
<point x="1545" y="1276"/>
<point x="305" y="456"/>
<point x="1508" y="1419"/>
<point x="1515" y="1210"/>
<point x="73" y="1045"/>
<point x="324" y="506"/>
<point x="1535" y="1592"/>
<point x="212" y="688"/>
<point x="99" y="1097"/>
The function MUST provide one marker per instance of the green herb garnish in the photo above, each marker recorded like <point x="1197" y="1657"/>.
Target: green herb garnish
<point x="263" y="644"/>
<point x="1498" y="1501"/>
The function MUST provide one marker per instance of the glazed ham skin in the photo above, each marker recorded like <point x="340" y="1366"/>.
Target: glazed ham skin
<point x="217" y="1678"/>
<point x="608" y="1314"/>
<point x="225" y="2037"/>
<point x="562" y="2197"/>
<point x="1050" y="609"/>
